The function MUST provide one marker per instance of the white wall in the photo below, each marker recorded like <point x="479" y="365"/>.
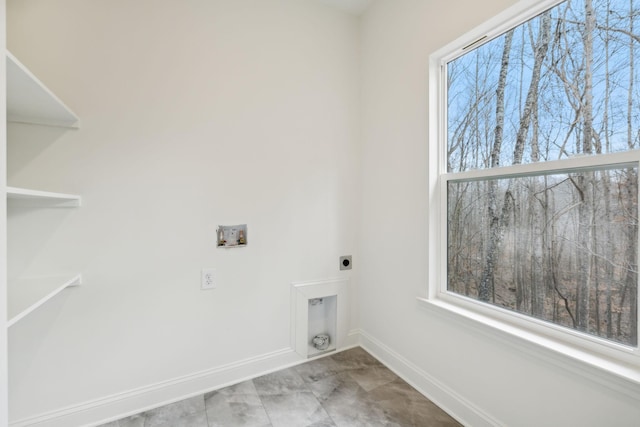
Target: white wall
<point x="194" y="114"/>
<point x="3" y="231"/>
<point x="202" y="113"/>
<point x="448" y="356"/>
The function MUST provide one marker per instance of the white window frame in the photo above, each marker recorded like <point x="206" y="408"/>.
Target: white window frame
<point x="595" y="352"/>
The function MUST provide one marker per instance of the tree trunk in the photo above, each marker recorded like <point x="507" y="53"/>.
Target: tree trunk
<point x="498" y="220"/>
<point x="631" y="279"/>
<point x="585" y="180"/>
<point x="532" y="95"/>
<point x="609" y="277"/>
<point x="485" y="287"/>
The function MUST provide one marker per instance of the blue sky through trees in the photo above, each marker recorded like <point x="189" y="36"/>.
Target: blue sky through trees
<point x="473" y="82"/>
<point x="560" y="246"/>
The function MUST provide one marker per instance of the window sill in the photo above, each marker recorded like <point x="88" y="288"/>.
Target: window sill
<point x="618" y="376"/>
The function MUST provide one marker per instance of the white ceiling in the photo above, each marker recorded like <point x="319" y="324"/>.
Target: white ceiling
<point x="355" y="7"/>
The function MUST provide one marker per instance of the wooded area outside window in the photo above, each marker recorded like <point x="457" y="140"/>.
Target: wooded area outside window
<point x="538" y="129"/>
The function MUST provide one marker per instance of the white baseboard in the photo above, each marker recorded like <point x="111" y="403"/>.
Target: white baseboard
<point x="447" y="399"/>
<point x="116" y="406"/>
<point x="120" y="405"/>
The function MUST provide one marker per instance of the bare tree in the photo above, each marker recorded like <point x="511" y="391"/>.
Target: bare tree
<point x="558" y="246"/>
<point x="498" y="220"/>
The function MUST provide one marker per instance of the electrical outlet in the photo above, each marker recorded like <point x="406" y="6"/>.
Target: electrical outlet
<point x="345" y="262"/>
<point x="208" y="279"/>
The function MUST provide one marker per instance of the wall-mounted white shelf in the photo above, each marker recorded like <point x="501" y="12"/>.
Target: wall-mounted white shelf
<point x="30" y="101"/>
<point x="26" y="295"/>
<point x="36" y="198"/>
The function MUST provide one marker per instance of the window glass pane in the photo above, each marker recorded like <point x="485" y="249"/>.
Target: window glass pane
<point x="565" y="83"/>
<point x="560" y="247"/>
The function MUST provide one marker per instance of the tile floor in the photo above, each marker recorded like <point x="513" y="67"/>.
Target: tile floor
<point x="349" y="388"/>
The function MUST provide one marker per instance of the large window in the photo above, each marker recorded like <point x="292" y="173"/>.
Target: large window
<point x="537" y="170"/>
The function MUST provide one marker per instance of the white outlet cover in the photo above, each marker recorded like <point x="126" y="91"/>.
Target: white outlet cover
<point x="208" y="278"/>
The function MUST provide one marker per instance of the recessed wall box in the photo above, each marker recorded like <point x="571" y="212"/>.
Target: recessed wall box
<point x="232" y="236"/>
